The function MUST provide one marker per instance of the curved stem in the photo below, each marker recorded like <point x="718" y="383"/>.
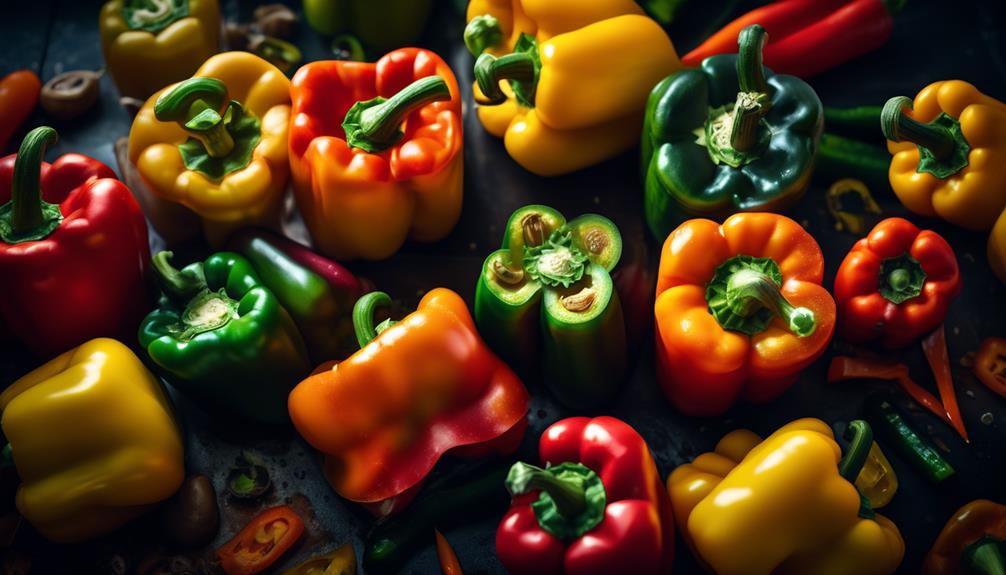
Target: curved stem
<point x="984" y="557"/>
<point x="899" y="127"/>
<point x="860" y="437"/>
<point x="749" y="290"/>
<point x="197" y="105"/>
<point x="490" y="71"/>
<point x="569" y="496"/>
<point x="750" y="72"/>
<point x="379" y="124"/>
<point x="363" y="316"/>
<point x="178" y="285"/>
<point x="28" y="209"/>
<point x="482" y="32"/>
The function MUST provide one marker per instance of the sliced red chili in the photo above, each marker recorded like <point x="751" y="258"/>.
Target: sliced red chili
<point x="261" y="542"/>
<point x="935" y="347"/>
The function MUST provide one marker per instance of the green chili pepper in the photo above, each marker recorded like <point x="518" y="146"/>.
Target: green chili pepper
<point x="546" y="300"/>
<point x="860" y="121"/>
<point x="222" y="338"/>
<point x="727" y="136"/>
<point x="913" y="447"/>
<point x="840" y="158"/>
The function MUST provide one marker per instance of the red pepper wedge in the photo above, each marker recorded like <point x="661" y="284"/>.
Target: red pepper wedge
<point x="262" y="542"/>
<point x="73" y="250"/>
<point x="598" y="507"/>
<point x="895" y="285"/>
<point x="935" y="348"/>
<point x="807" y="37"/>
<point x="990" y="364"/>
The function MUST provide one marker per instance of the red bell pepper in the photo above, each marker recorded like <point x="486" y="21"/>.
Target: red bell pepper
<point x="73" y="250"/>
<point x="598" y="507"/>
<point x="895" y="285"/>
<point x="807" y="37"/>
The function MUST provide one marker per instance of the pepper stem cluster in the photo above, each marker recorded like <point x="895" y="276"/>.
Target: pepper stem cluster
<point x="375" y="125"/>
<point x="205" y="310"/>
<point x="572" y="498"/>
<point x="521" y="68"/>
<point x="943" y="149"/>
<point x="557" y="262"/>
<point x="745" y="294"/>
<point x="27" y="217"/>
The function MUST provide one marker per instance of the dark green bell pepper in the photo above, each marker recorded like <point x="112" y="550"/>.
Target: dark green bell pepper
<point x="223" y="339"/>
<point x="379" y="24"/>
<point x="547" y="301"/>
<point x="727" y="136"/>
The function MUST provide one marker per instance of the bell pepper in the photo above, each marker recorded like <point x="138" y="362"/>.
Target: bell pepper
<point x="262" y="542"/>
<point x="342" y="561"/>
<point x="425" y="386"/>
<point x="321" y="310"/>
<point x="73" y="249"/>
<point x="785" y="505"/>
<point x="380" y="24"/>
<point x="728" y="136"/>
<point x="807" y="37"/>
<point x="222" y="338"/>
<point x="149" y="44"/>
<point x="547" y="300"/>
<point x="973" y="542"/>
<point x="217" y="143"/>
<point x="19" y="93"/>
<point x="740" y="311"/>
<point x="376" y="152"/>
<point x="996" y="250"/>
<point x="990" y="364"/>
<point x="948" y="149"/>
<point x="94" y="441"/>
<point x="895" y="285"/>
<point x="597" y="506"/>
<point x="571" y="99"/>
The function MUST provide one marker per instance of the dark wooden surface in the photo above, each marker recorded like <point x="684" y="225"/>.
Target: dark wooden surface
<point x="933" y="40"/>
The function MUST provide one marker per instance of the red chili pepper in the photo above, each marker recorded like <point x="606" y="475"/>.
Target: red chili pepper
<point x="19" y="93"/>
<point x="73" y="250"/>
<point x="449" y="563"/>
<point x="896" y="284"/>
<point x="261" y="542"/>
<point x="935" y="347"/>
<point x="990" y="364"/>
<point x="599" y="506"/>
<point x="807" y="37"/>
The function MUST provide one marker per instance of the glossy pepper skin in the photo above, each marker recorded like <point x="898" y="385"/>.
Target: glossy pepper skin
<point x="73" y="250"/>
<point x="381" y="24"/>
<point x="546" y="302"/>
<point x="781" y="506"/>
<point x="144" y="52"/>
<point x="222" y="338"/>
<point x="705" y="367"/>
<point x="426" y="386"/>
<point x="571" y="99"/>
<point x="74" y="485"/>
<point x="973" y="542"/>
<point x="949" y="149"/>
<point x="19" y="92"/>
<point x="363" y="193"/>
<point x="240" y="98"/>
<point x="619" y="513"/>
<point x="997" y="248"/>
<point x="896" y="284"/>
<point x="990" y="364"/>
<point x="700" y="158"/>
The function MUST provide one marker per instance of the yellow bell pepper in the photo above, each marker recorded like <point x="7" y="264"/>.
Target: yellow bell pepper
<point x="784" y="505"/>
<point x="949" y="149"/>
<point x="579" y="76"/>
<point x="146" y="49"/>
<point x="220" y="145"/>
<point x="94" y="441"/>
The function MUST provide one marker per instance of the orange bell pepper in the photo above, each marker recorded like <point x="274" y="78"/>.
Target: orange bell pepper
<point x="971" y="543"/>
<point x="422" y="387"/>
<point x="740" y="310"/>
<point x="398" y="173"/>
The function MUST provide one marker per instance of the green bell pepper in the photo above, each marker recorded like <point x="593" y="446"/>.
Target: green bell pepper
<point x="222" y="338"/>
<point x="380" y="24"/>
<point x="547" y="300"/>
<point x="322" y="310"/>
<point x="727" y="136"/>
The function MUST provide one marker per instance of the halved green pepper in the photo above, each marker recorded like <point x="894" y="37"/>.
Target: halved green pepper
<point x="728" y="136"/>
<point x="546" y="301"/>
<point x="222" y="338"/>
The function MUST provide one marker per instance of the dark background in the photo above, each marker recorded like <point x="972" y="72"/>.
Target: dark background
<point x="933" y="40"/>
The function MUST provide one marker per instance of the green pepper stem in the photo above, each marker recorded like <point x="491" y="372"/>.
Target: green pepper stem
<point x="860" y="437"/>
<point x="363" y="316"/>
<point x="6" y="456"/>
<point x="490" y="71"/>
<point x="178" y="285"/>
<point x="569" y="496"/>
<point x="750" y="72"/>
<point x="747" y="115"/>
<point x="379" y="125"/>
<point x="481" y="33"/>
<point x="197" y="105"/>
<point x="749" y="290"/>
<point x="28" y="208"/>
<point x="898" y="127"/>
<point x="984" y="557"/>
